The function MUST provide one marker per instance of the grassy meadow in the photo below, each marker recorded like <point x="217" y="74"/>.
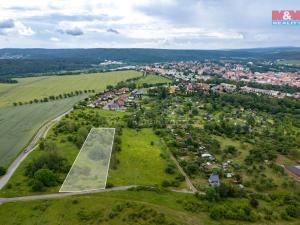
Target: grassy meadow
<point x="114" y="208"/>
<point x="120" y="208"/>
<point x="140" y="161"/>
<point x="38" y="87"/>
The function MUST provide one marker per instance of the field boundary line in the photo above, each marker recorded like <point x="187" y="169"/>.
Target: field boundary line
<point x="78" y="155"/>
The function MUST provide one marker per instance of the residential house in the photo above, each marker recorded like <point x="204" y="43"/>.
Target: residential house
<point x="228" y="87"/>
<point x="203" y="86"/>
<point x="294" y="169"/>
<point x="172" y="89"/>
<point x="108" y="95"/>
<point x="122" y="91"/>
<point x="214" y="180"/>
<point x="189" y="87"/>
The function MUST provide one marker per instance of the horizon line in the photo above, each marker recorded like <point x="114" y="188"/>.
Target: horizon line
<point x="171" y="49"/>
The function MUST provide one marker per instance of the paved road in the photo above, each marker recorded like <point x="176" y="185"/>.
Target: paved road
<point x="32" y="145"/>
<point x="59" y="195"/>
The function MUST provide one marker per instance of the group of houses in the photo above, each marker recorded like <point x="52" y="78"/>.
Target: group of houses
<point x="115" y="99"/>
<point x="229" y="88"/>
<point x="207" y="162"/>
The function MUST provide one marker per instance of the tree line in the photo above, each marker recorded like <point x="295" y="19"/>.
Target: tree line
<point x="55" y="97"/>
<point x="7" y="80"/>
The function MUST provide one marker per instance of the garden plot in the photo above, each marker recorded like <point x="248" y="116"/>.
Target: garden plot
<point x="90" y="168"/>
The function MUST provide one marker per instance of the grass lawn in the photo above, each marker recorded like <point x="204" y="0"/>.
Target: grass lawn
<point x="19" y="124"/>
<point x="153" y="79"/>
<point x="38" y="87"/>
<point x="140" y="162"/>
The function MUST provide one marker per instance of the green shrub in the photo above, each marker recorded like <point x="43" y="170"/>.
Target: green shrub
<point x="46" y="176"/>
<point x="217" y="212"/>
<point x="2" y="171"/>
<point x="37" y="186"/>
<point x="171" y="169"/>
<point x="50" y="160"/>
<point x="293" y="211"/>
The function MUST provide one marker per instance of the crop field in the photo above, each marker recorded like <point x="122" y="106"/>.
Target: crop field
<point x="19" y="124"/>
<point x="140" y="161"/>
<point x="38" y="87"/>
<point x="153" y="79"/>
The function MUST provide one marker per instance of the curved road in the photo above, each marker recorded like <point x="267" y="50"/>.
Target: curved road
<point x="32" y="145"/>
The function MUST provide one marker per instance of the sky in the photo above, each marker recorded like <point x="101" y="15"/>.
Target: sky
<point x="170" y="24"/>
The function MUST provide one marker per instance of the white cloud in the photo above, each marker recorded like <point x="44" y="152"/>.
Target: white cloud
<point x="23" y="30"/>
<point x="55" y="39"/>
<point x="145" y="23"/>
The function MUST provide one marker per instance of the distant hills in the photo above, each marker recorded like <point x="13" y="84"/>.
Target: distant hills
<point x="21" y="62"/>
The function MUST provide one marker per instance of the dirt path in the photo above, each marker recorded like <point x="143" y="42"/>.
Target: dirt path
<point x="59" y="195"/>
<point x="187" y="179"/>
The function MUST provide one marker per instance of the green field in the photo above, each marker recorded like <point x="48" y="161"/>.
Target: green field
<point x="153" y="79"/>
<point x="289" y="62"/>
<point x="140" y="162"/>
<point x="19" y="124"/>
<point x="38" y="87"/>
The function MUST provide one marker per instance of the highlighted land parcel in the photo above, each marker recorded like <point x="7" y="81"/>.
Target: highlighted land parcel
<point x="90" y="168"/>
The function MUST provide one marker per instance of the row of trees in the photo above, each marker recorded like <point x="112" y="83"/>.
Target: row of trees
<point x="55" y="97"/>
<point x="8" y="80"/>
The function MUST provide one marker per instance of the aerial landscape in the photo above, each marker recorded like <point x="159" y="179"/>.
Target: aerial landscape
<point x="160" y="112"/>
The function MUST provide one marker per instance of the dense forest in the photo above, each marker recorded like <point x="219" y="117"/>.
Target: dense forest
<point x="20" y="62"/>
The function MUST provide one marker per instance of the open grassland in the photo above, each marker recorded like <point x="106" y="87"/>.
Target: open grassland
<point x="128" y="207"/>
<point x="38" y="87"/>
<point x="19" y="124"/>
<point x="152" y="79"/>
<point x="140" y="160"/>
<point x="119" y="208"/>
